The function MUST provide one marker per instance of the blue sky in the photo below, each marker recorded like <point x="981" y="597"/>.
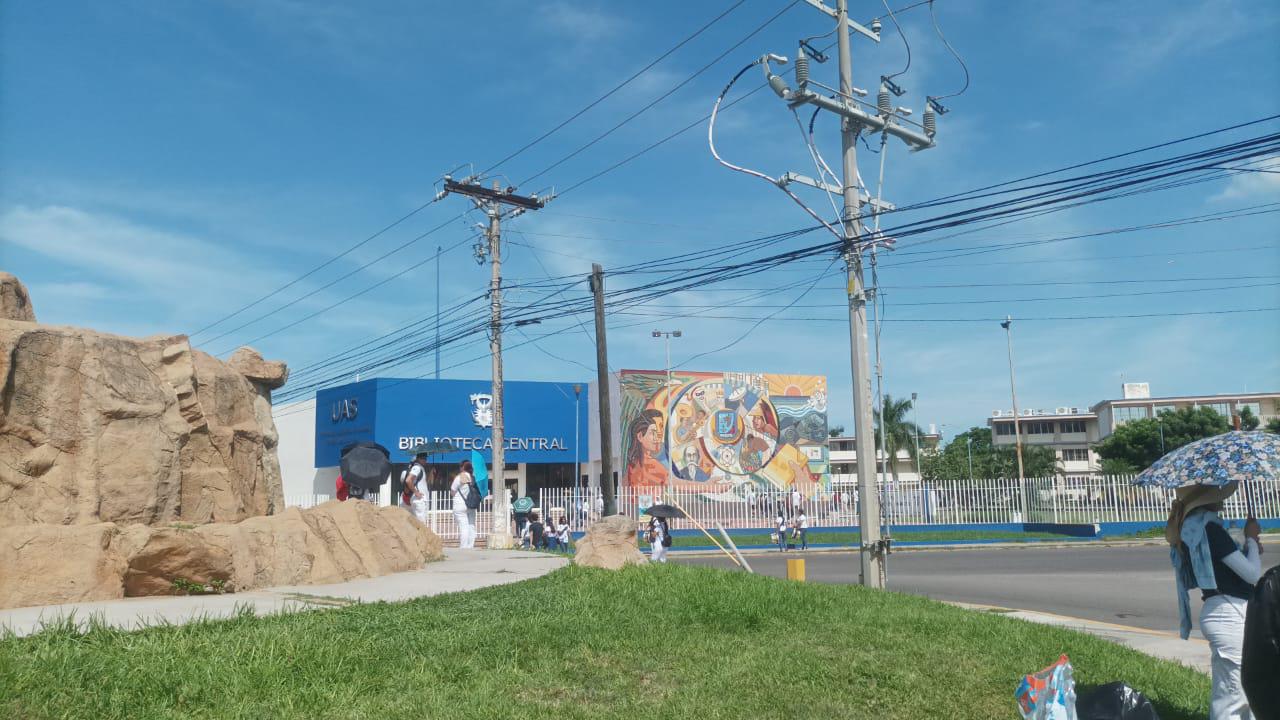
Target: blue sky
<point x="165" y="163"/>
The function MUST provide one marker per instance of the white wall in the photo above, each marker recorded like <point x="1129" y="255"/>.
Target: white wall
<point x="296" y="425"/>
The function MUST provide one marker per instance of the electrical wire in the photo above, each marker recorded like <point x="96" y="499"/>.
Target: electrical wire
<point x="903" y="35"/>
<point x="955" y="54"/>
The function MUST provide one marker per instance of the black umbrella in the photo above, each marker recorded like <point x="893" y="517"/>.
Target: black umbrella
<point x="665" y="511"/>
<point x="365" y="464"/>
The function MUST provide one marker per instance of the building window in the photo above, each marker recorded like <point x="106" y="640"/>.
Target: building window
<point x="842" y="445"/>
<point x="1004" y="428"/>
<point x="1221" y="408"/>
<point x="1075" y="455"/>
<point x="1038" y="427"/>
<point x="1072" y="426"/>
<point x="842" y="468"/>
<point x="1125" y="414"/>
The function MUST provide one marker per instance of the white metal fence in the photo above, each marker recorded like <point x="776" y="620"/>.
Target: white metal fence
<point x="1040" y="500"/>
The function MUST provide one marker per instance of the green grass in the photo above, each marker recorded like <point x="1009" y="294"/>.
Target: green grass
<point x="647" y="642"/>
<point x="818" y="537"/>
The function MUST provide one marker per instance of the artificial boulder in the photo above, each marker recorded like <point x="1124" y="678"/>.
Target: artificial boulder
<point x="15" y="302"/>
<point x="329" y="543"/>
<point x="609" y="543"/>
<point x="104" y="428"/>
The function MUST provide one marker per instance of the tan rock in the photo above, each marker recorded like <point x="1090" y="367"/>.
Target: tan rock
<point x="74" y="563"/>
<point x="271" y="374"/>
<point x="51" y="564"/>
<point x="609" y="543"/>
<point x="100" y="427"/>
<point x="15" y="302"/>
<point x="174" y="553"/>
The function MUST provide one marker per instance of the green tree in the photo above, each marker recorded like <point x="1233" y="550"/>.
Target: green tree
<point x="1273" y="425"/>
<point x="1137" y="443"/>
<point x="836" y="431"/>
<point x="989" y="460"/>
<point x="1248" y="421"/>
<point x="899" y="434"/>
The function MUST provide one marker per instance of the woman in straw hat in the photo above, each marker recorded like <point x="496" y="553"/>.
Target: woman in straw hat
<point x="1205" y="556"/>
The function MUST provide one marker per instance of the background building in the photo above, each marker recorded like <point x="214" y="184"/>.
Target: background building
<point x="543" y="441"/>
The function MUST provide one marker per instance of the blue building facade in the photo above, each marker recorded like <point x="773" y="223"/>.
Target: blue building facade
<point x="546" y="424"/>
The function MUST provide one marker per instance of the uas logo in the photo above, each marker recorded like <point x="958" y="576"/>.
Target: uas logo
<point x="482" y="409"/>
<point x="344" y="410"/>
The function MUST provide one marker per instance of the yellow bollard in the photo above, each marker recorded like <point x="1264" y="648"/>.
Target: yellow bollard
<point x="795" y="569"/>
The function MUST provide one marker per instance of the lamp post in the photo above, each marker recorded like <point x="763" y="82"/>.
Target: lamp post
<point x="668" y="334"/>
<point x="1160" y="424"/>
<point x="1017" y="430"/>
<point x="915" y="420"/>
<point x="968" y="445"/>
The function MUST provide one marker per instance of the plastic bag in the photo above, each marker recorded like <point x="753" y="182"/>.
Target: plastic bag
<point x="1049" y="694"/>
<point x="1115" y="701"/>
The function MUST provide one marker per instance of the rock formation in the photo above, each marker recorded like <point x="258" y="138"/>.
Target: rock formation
<point x="15" y="303"/>
<point x="128" y="463"/>
<point x="103" y="428"/>
<point x="609" y="543"/>
<point x="332" y="542"/>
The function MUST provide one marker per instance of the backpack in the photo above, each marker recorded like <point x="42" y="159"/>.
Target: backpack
<point x="472" y="498"/>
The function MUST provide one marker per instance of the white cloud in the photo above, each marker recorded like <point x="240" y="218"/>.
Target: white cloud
<point x="580" y="24"/>
<point x="1248" y="185"/>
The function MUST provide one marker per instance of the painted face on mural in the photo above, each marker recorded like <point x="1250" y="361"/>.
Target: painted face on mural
<point x="691" y="456"/>
<point x="651" y="439"/>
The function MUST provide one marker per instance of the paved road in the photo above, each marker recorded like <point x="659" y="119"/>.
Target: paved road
<point x="1128" y="585"/>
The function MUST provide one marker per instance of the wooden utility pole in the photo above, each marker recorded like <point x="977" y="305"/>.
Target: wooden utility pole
<point x="602" y="373"/>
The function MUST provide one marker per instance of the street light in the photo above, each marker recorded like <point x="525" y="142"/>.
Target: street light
<point x="1160" y="422"/>
<point x="968" y="445"/>
<point x="1017" y="430"/>
<point x="668" y="334"/>
<point x="915" y="420"/>
<point x="577" y="466"/>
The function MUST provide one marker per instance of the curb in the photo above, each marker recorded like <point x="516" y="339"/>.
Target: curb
<point x="926" y="547"/>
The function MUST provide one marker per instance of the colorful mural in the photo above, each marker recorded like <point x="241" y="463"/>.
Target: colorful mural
<point x="722" y="434"/>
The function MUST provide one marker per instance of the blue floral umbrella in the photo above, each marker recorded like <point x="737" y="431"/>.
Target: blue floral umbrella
<point x="1218" y="460"/>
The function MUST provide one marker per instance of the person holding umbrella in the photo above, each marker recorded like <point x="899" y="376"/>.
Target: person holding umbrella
<point x="659" y="535"/>
<point x="1204" y="474"/>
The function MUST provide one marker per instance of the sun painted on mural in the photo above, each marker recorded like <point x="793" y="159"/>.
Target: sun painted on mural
<point x="724" y="434"/>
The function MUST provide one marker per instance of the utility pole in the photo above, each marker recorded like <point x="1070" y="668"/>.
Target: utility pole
<point x="1017" y="429"/>
<point x="494" y="203"/>
<point x="854" y="120"/>
<point x="668" y="334"/>
<point x="438" y="251"/>
<point x="602" y="375"/>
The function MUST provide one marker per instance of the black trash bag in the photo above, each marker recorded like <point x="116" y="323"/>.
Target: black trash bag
<point x="1115" y="701"/>
<point x="1260" y="665"/>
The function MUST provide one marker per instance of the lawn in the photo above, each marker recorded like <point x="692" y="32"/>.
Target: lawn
<point x="645" y="642"/>
<point x="820" y="537"/>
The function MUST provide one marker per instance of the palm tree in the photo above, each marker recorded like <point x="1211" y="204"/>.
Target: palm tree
<point x="899" y="432"/>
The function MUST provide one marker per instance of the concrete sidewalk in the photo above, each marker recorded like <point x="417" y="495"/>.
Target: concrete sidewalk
<point x="1193" y="652"/>
<point x="460" y="570"/>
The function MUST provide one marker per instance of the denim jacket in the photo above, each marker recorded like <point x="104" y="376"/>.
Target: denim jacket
<point x="1196" y="568"/>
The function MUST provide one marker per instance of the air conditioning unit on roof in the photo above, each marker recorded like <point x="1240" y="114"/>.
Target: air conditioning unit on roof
<point x="1062" y="410"/>
<point x="997" y="413"/>
<point x="1075" y="411"/>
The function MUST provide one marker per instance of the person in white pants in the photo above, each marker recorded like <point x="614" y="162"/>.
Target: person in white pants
<point x="461" y="487"/>
<point x="658" y="531"/>
<point x="1205" y="555"/>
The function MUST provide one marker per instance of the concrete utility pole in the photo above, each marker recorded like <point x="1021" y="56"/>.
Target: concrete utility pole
<point x="854" y="120"/>
<point x="438" y="251"/>
<point x="1017" y="430"/>
<point x="494" y="203"/>
<point x="602" y="375"/>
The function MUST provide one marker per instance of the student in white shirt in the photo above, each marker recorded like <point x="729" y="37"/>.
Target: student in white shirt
<point x="564" y="534"/>
<point x="781" y="523"/>
<point x="802" y="530"/>
<point x="465" y="516"/>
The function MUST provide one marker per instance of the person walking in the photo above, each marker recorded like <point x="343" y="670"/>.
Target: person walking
<point x="537" y="532"/>
<point x="463" y="485"/>
<point x="751" y="499"/>
<point x="553" y="534"/>
<point x="781" y="524"/>
<point x="565" y="534"/>
<point x="802" y="529"/>
<point x="1204" y="556"/>
<point x="598" y="505"/>
<point x="659" y="539"/>
<point x="414" y="492"/>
